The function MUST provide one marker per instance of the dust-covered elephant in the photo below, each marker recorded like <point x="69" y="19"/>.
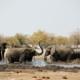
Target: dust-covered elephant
<point x="59" y="53"/>
<point x="21" y="55"/>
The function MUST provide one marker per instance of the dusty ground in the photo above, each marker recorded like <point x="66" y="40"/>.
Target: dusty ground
<point x="39" y="75"/>
<point x="19" y="72"/>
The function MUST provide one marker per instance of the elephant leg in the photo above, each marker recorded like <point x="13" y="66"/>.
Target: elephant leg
<point x="10" y="60"/>
<point x="69" y="58"/>
<point x="2" y="55"/>
<point x="45" y="58"/>
<point x="22" y="58"/>
<point x="52" y="58"/>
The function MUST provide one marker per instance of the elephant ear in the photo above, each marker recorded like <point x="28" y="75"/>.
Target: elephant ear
<point x="48" y="50"/>
<point x="53" y="50"/>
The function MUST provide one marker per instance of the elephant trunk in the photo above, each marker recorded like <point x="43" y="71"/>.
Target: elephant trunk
<point x="47" y="53"/>
<point x="45" y="57"/>
<point x="37" y="53"/>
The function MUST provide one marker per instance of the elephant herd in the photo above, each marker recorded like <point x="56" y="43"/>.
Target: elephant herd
<point x="23" y="54"/>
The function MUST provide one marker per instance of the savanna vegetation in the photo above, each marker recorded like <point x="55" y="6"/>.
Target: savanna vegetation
<point x="41" y="36"/>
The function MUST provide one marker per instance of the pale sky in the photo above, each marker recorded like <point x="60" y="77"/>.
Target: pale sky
<point x="27" y="16"/>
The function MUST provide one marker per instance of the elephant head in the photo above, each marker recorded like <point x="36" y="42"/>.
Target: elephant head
<point x="21" y="54"/>
<point x="49" y="51"/>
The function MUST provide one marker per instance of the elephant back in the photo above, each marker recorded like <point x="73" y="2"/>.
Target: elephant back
<point x="13" y="51"/>
<point x="64" y="49"/>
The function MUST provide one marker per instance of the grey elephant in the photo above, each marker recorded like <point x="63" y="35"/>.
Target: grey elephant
<point x="59" y="53"/>
<point x="21" y="55"/>
<point x="2" y="50"/>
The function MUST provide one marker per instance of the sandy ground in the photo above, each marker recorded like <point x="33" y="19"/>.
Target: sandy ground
<point x="20" y="72"/>
<point x="34" y="74"/>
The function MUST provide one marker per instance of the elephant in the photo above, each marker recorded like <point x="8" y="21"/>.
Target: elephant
<point x="21" y="55"/>
<point x="2" y="50"/>
<point x="0" y="53"/>
<point x="61" y="53"/>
